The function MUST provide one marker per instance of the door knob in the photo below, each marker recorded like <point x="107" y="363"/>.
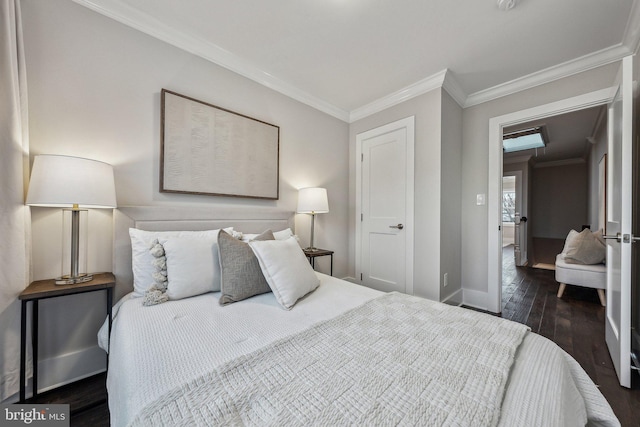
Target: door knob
<point x="399" y="226"/>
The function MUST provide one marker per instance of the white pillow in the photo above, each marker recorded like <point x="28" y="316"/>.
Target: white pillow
<point x="283" y="234"/>
<point x="142" y="260"/>
<point x="278" y="235"/>
<point x="286" y="269"/>
<point x="193" y="266"/>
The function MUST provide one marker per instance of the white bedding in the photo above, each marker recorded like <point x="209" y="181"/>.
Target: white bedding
<point x="156" y="349"/>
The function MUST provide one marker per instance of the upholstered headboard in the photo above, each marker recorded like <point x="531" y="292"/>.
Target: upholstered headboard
<point x="166" y="218"/>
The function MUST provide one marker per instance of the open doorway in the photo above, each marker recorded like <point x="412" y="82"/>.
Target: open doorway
<point x="557" y="176"/>
<point x="508" y="122"/>
<point x="563" y="180"/>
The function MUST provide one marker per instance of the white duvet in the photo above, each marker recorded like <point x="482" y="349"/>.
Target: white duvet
<point x="156" y="349"/>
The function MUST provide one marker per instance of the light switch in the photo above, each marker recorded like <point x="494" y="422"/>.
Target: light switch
<point x="480" y="199"/>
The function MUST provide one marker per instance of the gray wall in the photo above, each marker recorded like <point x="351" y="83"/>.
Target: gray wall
<point x="450" y="212"/>
<point x="94" y="91"/>
<point x="559" y="200"/>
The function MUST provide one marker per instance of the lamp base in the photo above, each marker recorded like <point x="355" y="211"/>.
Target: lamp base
<point x="68" y="280"/>
<point x="311" y="249"/>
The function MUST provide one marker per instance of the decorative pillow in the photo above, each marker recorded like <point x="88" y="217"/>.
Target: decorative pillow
<point x="193" y="267"/>
<point x="585" y="248"/>
<point x="568" y="241"/>
<point x="286" y="269"/>
<point x="277" y="235"/>
<point x="600" y="236"/>
<point x="157" y="293"/>
<point x="241" y="276"/>
<point x="142" y="260"/>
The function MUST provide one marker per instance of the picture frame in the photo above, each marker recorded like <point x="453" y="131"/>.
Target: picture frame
<point x="209" y="150"/>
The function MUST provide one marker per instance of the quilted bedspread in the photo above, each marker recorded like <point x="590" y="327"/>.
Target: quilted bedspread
<point x="396" y="359"/>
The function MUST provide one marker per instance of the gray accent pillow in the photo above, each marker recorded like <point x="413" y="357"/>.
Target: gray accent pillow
<point x="241" y="275"/>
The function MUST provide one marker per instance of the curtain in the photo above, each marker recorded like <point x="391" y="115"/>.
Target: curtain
<point x="15" y="229"/>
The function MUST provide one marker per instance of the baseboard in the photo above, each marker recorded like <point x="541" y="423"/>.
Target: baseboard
<point x="66" y="369"/>
<point x="476" y="299"/>
<point x="351" y="279"/>
<point x="455" y="298"/>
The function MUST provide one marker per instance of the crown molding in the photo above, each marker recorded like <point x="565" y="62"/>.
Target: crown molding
<point x="127" y="15"/>
<point x="556" y="72"/>
<point x="454" y="89"/>
<point x="418" y="88"/>
<point x="133" y="18"/>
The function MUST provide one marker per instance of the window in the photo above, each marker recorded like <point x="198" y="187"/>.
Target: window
<point x="525" y="139"/>
<point x="509" y="206"/>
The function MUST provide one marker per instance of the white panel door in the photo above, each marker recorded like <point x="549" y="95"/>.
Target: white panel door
<point x="383" y="211"/>
<point x="619" y="224"/>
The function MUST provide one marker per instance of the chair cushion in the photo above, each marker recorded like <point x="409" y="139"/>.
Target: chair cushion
<point x="587" y="275"/>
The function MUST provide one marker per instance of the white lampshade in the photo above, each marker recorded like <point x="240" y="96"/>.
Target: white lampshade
<point x="64" y="181"/>
<point x="313" y="200"/>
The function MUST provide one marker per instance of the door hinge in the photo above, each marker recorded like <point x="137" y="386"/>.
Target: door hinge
<point x="361" y="217"/>
<point x="360" y="276"/>
<point x="362" y="157"/>
<point x="499" y="227"/>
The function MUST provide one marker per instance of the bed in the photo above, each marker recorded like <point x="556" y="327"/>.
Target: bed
<point x="343" y="354"/>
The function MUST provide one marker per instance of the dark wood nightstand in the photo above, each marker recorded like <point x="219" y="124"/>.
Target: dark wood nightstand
<point x="313" y="254"/>
<point x="43" y="289"/>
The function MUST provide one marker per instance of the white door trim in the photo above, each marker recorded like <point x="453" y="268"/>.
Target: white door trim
<point x="496" y="124"/>
<point x="409" y="124"/>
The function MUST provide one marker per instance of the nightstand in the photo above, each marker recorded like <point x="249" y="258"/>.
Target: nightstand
<point x="43" y="289"/>
<point x="312" y="255"/>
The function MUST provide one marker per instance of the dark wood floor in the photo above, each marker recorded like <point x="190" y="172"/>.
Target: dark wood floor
<point x="87" y="400"/>
<point x="575" y="323"/>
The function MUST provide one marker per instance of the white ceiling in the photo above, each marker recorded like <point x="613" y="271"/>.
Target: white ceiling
<point x="347" y="57"/>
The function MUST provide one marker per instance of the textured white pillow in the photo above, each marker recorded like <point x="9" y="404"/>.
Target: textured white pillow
<point x="142" y="260"/>
<point x="193" y="266"/>
<point x="286" y="269"/>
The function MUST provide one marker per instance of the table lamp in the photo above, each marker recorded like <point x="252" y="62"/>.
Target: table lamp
<point x="72" y="183"/>
<point x="312" y="201"/>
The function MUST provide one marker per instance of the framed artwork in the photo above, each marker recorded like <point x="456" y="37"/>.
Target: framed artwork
<point x="209" y="150"/>
<point x="602" y="194"/>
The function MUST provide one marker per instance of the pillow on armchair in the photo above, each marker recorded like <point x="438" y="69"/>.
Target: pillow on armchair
<point x="584" y="248"/>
